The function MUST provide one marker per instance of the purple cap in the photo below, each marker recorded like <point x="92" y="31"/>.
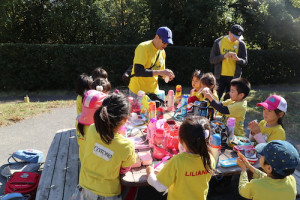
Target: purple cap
<point x="231" y="122"/>
<point x="166" y="34"/>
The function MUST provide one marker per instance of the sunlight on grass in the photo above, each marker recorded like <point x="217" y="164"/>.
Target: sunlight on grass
<point x="15" y="112"/>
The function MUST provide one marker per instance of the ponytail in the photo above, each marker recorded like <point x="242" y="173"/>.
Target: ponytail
<point x="192" y="132"/>
<point x="80" y="128"/>
<point x="280" y="119"/>
<point x="114" y="109"/>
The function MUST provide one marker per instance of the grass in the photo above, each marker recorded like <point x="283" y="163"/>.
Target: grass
<point x="15" y="112"/>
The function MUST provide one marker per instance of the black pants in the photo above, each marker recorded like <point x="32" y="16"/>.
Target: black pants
<point x="224" y="85"/>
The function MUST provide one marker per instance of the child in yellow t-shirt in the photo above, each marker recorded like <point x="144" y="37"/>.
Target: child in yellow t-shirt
<point x="236" y="106"/>
<point x="187" y="175"/>
<point x="99" y="72"/>
<point x="106" y="151"/>
<point x="279" y="159"/>
<point x="82" y="84"/>
<point x="271" y="127"/>
<point x="92" y="101"/>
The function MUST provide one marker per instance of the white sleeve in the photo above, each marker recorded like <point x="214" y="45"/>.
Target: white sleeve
<point x="259" y="138"/>
<point x="152" y="180"/>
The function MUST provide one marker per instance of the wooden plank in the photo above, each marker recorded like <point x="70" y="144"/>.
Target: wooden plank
<point x="297" y="177"/>
<point x="46" y="178"/>
<point x="72" y="177"/>
<point x="59" y="173"/>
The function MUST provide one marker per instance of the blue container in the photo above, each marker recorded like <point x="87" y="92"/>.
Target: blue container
<point x="184" y="102"/>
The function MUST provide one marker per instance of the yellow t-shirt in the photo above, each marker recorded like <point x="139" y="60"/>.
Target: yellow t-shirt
<point x="228" y="64"/>
<point x="202" y="98"/>
<point x="263" y="187"/>
<point x="271" y="133"/>
<point x="81" y="139"/>
<point x="101" y="163"/>
<point x="238" y="111"/>
<point x="79" y="104"/>
<point x="186" y="177"/>
<point x="145" y="54"/>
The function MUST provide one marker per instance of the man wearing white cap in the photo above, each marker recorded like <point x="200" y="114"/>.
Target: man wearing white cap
<point x="149" y="63"/>
<point x="229" y="55"/>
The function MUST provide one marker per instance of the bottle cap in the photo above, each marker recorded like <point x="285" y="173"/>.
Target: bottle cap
<point x="171" y="93"/>
<point x="141" y="93"/>
<point x="231" y="122"/>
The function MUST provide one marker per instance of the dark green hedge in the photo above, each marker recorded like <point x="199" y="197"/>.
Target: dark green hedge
<point x="41" y="67"/>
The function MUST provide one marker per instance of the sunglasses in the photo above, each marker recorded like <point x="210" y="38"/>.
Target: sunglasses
<point x="162" y="40"/>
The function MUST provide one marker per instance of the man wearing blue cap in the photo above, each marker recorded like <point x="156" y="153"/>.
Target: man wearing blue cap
<point x="149" y="63"/>
<point x="279" y="160"/>
<point x="229" y="55"/>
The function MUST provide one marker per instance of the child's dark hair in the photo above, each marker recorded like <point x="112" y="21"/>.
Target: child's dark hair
<point x="80" y="128"/>
<point x="99" y="72"/>
<point x="106" y="86"/>
<point x="83" y="84"/>
<point x="277" y="111"/>
<point x="242" y="85"/>
<point x="192" y="133"/>
<point x="197" y="74"/>
<point x="275" y="175"/>
<point x="109" y="116"/>
<point x="209" y="80"/>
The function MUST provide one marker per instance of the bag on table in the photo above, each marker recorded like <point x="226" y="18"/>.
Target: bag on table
<point x="25" y="183"/>
<point x="27" y="155"/>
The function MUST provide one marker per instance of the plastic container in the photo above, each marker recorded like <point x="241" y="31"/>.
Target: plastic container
<point x="160" y="112"/>
<point x="161" y="94"/>
<point x="184" y="102"/>
<point x="230" y="127"/>
<point x="170" y="105"/>
<point x="159" y="138"/>
<point x="215" y="146"/>
<point x="151" y="129"/>
<point x="228" y="162"/>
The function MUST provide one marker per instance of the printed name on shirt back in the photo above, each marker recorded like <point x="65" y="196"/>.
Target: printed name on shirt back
<point x="196" y="173"/>
<point x="103" y="152"/>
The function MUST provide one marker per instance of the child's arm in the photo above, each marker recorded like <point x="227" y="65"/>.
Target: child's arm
<point x="255" y="132"/>
<point x="152" y="180"/>
<point x="216" y="105"/>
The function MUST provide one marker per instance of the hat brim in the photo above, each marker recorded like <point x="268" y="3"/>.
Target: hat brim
<point x="260" y="147"/>
<point x="167" y="40"/>
<point x="87" y="116"/>
<point x="266" y="105"/>
<point x="238" y="37"/>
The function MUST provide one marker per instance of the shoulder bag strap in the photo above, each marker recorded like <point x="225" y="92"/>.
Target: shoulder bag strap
<point x="151" y="65"/>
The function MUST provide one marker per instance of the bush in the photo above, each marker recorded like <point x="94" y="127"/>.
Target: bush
<point x="47" y="67"/>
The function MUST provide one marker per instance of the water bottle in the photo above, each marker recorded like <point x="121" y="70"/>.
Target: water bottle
<point x="139" y="98"/>
<point x="170" y="104"/>
<point x="184" y="102"/>
<point x="151" y="129"/>
<point x="178" y="94"/>
<point x="230" y="128"/>
<point x="152" y="109"/>
<point x="203" y="108"/>
<point x="215" y="146"/>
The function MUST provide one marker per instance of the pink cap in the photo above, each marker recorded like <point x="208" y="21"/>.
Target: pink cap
<point x="274" y="102"/>
<point x="92" y="101"/>
<point x="171" y="93"/>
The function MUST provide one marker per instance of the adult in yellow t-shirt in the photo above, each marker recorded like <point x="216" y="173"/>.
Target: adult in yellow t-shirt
<point x="229" y="55"/>
<point x="149" y="63"/>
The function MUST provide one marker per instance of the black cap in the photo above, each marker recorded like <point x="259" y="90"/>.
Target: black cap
<point x="237" y="31"/>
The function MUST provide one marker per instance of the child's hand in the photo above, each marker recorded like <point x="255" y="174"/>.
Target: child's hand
<point x="207" y="93"/>
<point x="244" y="159"/>
<point x="149" y="170"/>
<point x="241" y="164"/>
<point x="253" y="126"/>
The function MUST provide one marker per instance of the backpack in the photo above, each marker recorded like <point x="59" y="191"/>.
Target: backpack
<point x="27" y="155"/>
<point x="25" y="183"/>
<point x="127" y="74"/>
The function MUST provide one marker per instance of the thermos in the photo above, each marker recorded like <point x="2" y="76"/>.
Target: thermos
<point x="170" y="99"/>
<point x="151" y="129"/>
<point x="215" y="146"/>
<point x="230" y="127"/>
<point x="178" y="94"/>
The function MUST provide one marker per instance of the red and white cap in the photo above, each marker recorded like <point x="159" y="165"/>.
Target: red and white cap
<point x="92" y="101"/>
<point x="274" y="102"/>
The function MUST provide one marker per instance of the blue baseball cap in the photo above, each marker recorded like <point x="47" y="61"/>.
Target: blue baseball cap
<point x="166" y="34"/>
<point x="281" y="155"/>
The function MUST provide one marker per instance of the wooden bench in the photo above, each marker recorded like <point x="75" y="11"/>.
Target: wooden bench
<point x="61" y="169"/>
